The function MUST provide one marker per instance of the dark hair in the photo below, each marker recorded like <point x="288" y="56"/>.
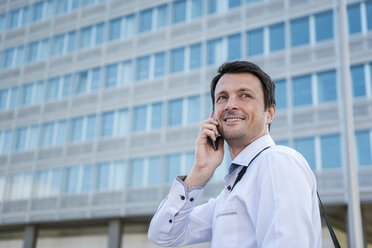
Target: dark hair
<point x="236" y="67"/>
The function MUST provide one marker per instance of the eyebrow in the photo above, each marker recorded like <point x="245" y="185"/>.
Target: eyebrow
<point x="239" y="91"/>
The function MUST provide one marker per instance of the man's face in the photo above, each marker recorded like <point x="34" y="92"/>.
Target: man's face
<point x="240" y="109"/>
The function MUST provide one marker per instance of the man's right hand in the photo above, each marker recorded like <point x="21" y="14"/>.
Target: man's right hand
<point x="206" y="158"/>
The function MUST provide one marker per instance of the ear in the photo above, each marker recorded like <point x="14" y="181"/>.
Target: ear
<point x="270" y="114"/>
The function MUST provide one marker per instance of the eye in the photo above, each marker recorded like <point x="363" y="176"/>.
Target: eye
<point x="219" y="98"/>
<point x="246" y="95"/>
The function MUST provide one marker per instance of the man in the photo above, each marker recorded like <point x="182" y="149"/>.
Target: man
<point x="275" y="202"/>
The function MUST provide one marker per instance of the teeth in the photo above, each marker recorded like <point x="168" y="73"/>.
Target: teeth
<point x="232" y="120"/>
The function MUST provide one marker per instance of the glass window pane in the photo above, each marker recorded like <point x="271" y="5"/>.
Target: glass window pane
<point x="195" y="56"/>
<point x="56" y="182"/>
<point x="37" y="11"/>
<point x="118" y="175"/>
<point x="234" y="3"/>
<point x="139" y="119"/>
<point x="67" y="83"/>
<point x="127" y="72"/>
<point x="234" y="47"/>
<point x="52" y="88"/>
<point x="331" y="151"/>
<point x="255" y="41"/>
<point x="32" y="51"/>
<point x="41" y="185"/>
<point x="96" y="79"/>
<point x="196" y="8"/>
<point x="107" y="124"/>
<point x="277" y="37"/>
<point x="91" y="127"/>
<point x="25" y="15"/>
<point x="145" y="20"/>
<point x="363" y="147"/>
<point x="61" y="132"/>
<point x="85" y="37"/>
<point x="114" y="29"/>
<point x="306" y="146"/>
<point x="175" y="112"/>
<point x="13" y="97"/>
<point x="20" y="139"/>
<point x="47" y="134"/>
<point x="354" y="18"/>
<point x="215" y="54"/>
<point x="327" y="86"/>
<point x="173" y="163"/>
<point x="368" y="11"/>
<point x="61" y="6"/>
<point x="71" y="41"/>
<point x="86" y="185"/>
<point x="3" y="99"/>
<point x="123" y="123"/>
<point x="2" y="22"/>
<point x="19" y="56"/>
<point x="72" y="177"/>
<point x="156" y="115"/>
<point x="178" y="59"/>
<point x="302" y="90"/>
<point x="324" y="26"/>
<point x="103" y="172"/>
<point x="154" y="172"/>
<point x="130" y="25"/>
<point x="82" y="81"/>
<point x="57" y="45"/>
<point x="281" y="94"/>
<point x="13" y="18"/>
<point x="76" y="129"/>
<point x="26" y="94"/>
<point x="136" y="173"/>
<point x="193" y="110"/>
<point x="7" y="141"/>
<point x="179" y="11"/>
<point x="300" y="34"/>
<point x="111" y="75"/>
<point x="143" y="68"/>
<point x="159" y="64"/>
<point x="99" y="34"/>
<point x="162" y="16"/>
<point x="358" y="81"/>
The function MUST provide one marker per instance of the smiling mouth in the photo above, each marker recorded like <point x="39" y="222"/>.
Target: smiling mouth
<point x="233" y="120"/>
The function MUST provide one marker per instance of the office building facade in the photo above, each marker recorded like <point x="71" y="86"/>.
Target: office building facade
<point x="100" y="104"/>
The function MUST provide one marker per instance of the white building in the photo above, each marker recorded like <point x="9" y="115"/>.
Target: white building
<point x="100" y="104"/>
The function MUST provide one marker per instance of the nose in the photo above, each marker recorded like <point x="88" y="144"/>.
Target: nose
<point x="230" y="104"/>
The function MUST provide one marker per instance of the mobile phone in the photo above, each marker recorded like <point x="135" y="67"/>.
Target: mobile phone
<point x="215" y="147"/>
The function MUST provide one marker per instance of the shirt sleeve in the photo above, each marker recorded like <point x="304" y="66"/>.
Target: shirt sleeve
<point x="178" y="222"/>
<point x="287" y="207"/>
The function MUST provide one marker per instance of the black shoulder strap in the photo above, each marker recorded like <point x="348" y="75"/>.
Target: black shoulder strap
<point x="242" y="171"/>
<point x="330" y="228"/>
<point x="333" y="235"/>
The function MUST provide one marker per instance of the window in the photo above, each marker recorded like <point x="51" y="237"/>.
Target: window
<point x="103" y="173"/>
<point x="4" y="99"/>
<point x="37" y="11"/>
<point x="57" y="45"/>
<point x="107" y="124"/>
<point x="140" y="118"/>
<point x="324" y="26"/>
<point x="327" y="86"/>
<point x="24" y="16"/>
<point x="111" y="75"/>
<point x="173" y="163"/>
<point x="255" y="41"/>
<point x="47" y="134"/>
<point x="19" y="56"/>
<point x="13" y="97"/>
<point x="302" y="90"/>
<point x="86" y="181"/>
<point x="32" y="51"/>
<point x="99" y="34"/>
<point x="162" y="16"/>
<point x="127" y="72"/>
<point x="130" y="25"/>
<point x="2" y="22"/>
<point x="281" y="94"/>
<point x="277" y="37"/>
<point x="143" y="68"/>
<point x="136" y="173"/>
<point x="71" y="41"/>
<point x="122" y="125"/>
<point x="20" y="139"/>
<point x="26" y="94"/>
<point x="20" y="185"/>
<point x="114" y="30"/>
<point x="145" y="20"/>
<point x="196" y="8"/>
<point x="215" y="52"/>
<point x="330" y="146"/>
<point x="117" y="175"/>
<point x="156" y="115"/>
<point x="306" y="146"/>
<point x="233" y="47"/>
<point x="110" y="176"/>
<point x="354" y="18"/>
<point x="154" y="171"/>
<point x="178" y="59"/>
<point x="234" y="3"/>
<point x="8" y="58"/>
<point x="159" y="64"/>
<point x="38" y="95"/>
<point x="61" y="6"/>
<point x="52" y="89"/>
<point x="179" y="11"/>
<point x="72" y="178"/>
<point x="368" y="11"/>
<point x="195" y="56"/>
<point x="66" y="88"/>
<point x="90" y="127"/>
<point x="363" y="147"/>
<point x="300" y="34"/>
<point x="76" y="133"/>
<point x="175" y="112"/>
<point x="85" y="37"/>
<point x="44" y="51"/>
<point x="358" y="81"/>
<point x="13" y="18"/>
<point x="6" y="142"/>
<point x="193" y="110"/>
<point x="61" y="132"/>
<point x="81" y="82"/>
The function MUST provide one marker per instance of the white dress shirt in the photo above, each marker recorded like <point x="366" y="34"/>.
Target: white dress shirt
<point x="274" y="205"/>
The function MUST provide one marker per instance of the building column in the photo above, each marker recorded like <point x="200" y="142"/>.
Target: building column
<point x="30" y="237"/>
<point x="114" y="234"/>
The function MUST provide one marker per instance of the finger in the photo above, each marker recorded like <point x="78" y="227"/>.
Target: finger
<point x="208" y="133"/>
<point x="211" y="115"/>
<point x="209" y="127"/>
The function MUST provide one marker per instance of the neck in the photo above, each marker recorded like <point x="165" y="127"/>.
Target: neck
<point x="236" y="146"/>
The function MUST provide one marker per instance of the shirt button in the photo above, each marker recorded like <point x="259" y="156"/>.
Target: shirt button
<point x="170" y="221"/>
<point x="191" y="199"/>
<point x="229" y="188"/>
<point x="182" y="197"/>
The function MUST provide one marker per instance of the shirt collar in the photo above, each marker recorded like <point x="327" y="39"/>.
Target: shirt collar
<point x="250" y="151"/>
